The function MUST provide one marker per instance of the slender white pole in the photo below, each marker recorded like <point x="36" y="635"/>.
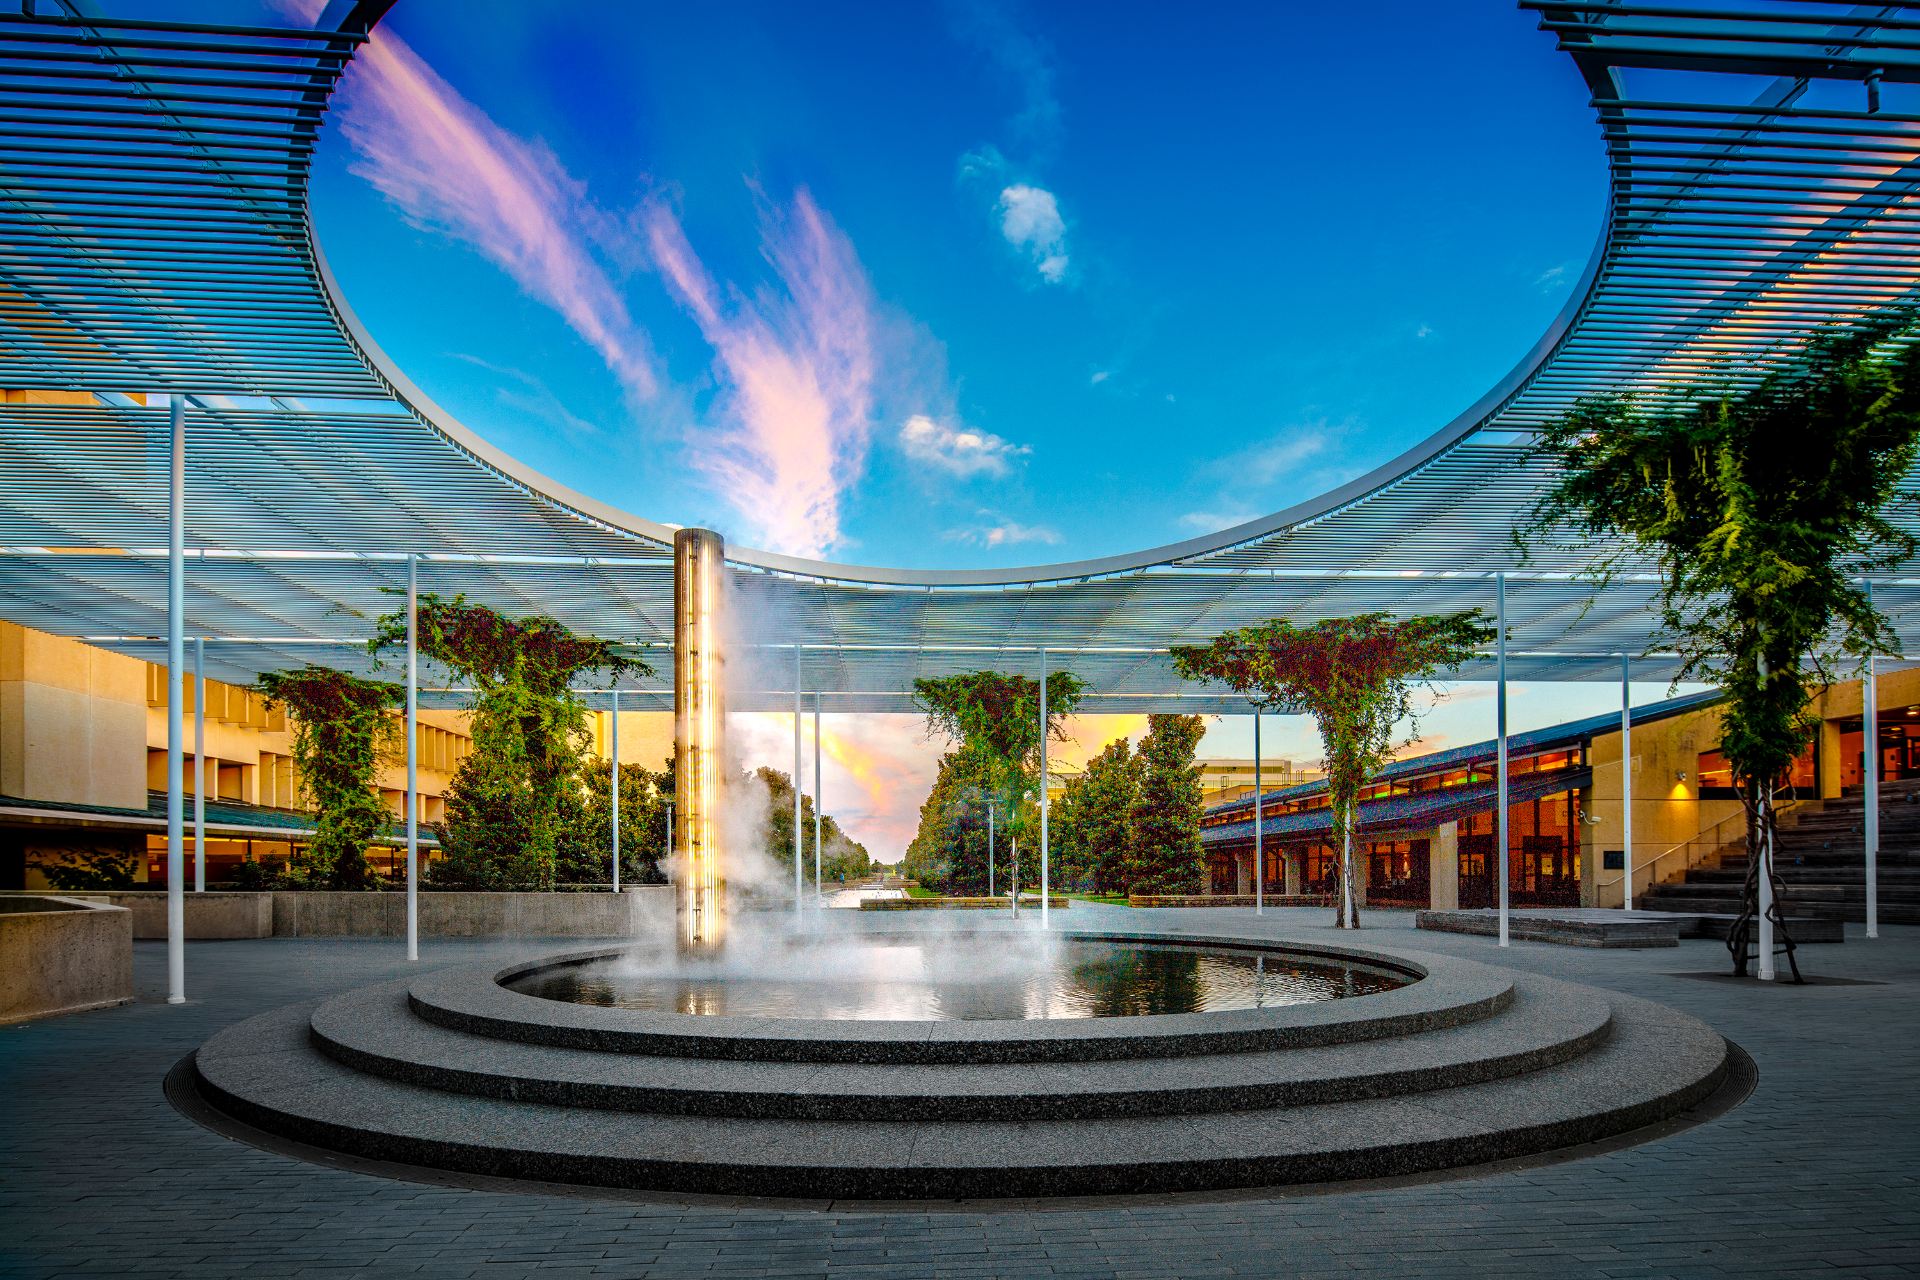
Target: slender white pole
<point x="1500" y="719"/>
<point x="176" y="696"/>
<point x="1626" y="775"/>
<point x="1043" y="788"/>
<point x="816" y="795"/>
<point x="989" y="848"/>
<point x="200" y="764"/>
<point x="613" y="734"/>
<point x="413" y="758"/>
<point x="1870" y="760"/>
<point x="796" y="781"/>
<point x="1259" y="849"/>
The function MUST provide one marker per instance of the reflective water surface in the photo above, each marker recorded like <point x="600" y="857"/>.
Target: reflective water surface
<point x="974" y="978"/>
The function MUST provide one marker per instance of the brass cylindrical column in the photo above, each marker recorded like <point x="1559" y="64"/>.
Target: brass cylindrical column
<point x="699" y="736"/>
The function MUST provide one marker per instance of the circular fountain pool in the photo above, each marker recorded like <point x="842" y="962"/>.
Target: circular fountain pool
<point x="980" y="977"/>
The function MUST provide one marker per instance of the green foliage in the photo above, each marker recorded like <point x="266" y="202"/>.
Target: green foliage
<point x="1355" y="676"/>
<point x="516" y="804"/>
<point x="343" y="728"/>
<point x="840" y="857"/>
<point x="1163" y="850"/>
<point x="949" y="850"/>
<point x="1760" y="511"/>
<point x="1093" y="822"/>
<point x="586" y="850"/>
<point x="93" y="868"/>
<point x="994" y="718"/>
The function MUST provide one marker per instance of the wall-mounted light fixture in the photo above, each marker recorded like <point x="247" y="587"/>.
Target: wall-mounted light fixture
<point x="1679" y="775"/>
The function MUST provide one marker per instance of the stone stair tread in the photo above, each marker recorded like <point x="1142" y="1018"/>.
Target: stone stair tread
<point x="1656" y="1063"/>
<point x="374" y="1030"/>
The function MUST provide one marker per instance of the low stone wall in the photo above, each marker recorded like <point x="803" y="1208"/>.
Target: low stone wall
<point x="957" y="904"/>
<point x="1227" y="900"/>
<point x="62" y="954"/>
<point x="212" y="916"/>
<point x="319" y="914"/>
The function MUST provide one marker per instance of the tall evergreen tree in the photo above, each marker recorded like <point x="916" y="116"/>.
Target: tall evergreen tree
<point x="1164" y="854"/>
<point x="1110" y="789"/>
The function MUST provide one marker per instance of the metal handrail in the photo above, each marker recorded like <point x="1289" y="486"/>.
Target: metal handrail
<point x="1717" y="843"/>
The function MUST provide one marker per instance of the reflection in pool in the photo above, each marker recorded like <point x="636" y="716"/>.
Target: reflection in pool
<point x="961" y="978"/>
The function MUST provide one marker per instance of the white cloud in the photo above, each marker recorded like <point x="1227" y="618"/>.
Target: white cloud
<point x="1549" y="280"/>
<point x="1002" y="533"/>
<point x="1213" y="521"/>
<point x="1099" y="376"/>
<point x="958" y="451"/>
<point x="1030" y="220"/>
<point x="1424" y="331"/>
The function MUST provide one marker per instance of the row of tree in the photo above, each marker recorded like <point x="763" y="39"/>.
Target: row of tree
<point x="528" y="807"/>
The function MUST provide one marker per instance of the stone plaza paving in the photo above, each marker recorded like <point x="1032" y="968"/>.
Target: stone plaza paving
<point x="1817" y="1174"/>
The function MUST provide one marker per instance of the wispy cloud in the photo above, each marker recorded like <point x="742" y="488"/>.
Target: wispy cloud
<point x="1031" y="222"/>
<point x="523" y="393"/>
<point x="1001" y="532"/>
<point x="1294" y="463"/>
<point x="1212" y="521"/>
<point x="1099" y="376"/>
<point x="1552" y="278"/>
<point x="1028" y="214"/>
<point x="798" y="368"/>
<point x="1424" y="331"/>
<point x="449" y="168"/>
<point x="1026" y="64"/>
<point x="957" y="451"/>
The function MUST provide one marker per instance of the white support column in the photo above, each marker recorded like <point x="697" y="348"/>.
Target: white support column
<point x="989" y="848"/>
<point x="1043" y="791"/>
<point x="1500" y="722"/>
<point x="1259" y="848"/>
<point x="413" y="758"/>
<point x="200" y="764"/>
<point x="796" y="782"/>
<point x="1626" y="774"/>
<point x="176" y="697"/>
<point x="613" y="735"/>
<point x="1870" y="760"/>
<point x="816" y="797"/>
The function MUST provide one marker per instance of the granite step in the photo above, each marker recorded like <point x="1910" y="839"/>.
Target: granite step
<point x="375" y="1031"/>
<point x="1656" y="1063"/>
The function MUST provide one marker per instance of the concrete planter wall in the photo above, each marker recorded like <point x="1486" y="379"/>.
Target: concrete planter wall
<point x="61" y="955"/>
<point x="313" y="914"/>
<point x="210" y="916"/>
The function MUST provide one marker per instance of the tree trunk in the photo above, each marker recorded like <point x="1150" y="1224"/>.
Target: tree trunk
<point x="1762" y="892"/>
<point x="1347" y="910"/>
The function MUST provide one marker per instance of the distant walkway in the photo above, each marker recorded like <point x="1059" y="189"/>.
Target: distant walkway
<point x="1813" y="1176"/>
<point x="854" y="895"/>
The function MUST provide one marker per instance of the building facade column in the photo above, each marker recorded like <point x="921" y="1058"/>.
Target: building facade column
<point x="1293" y="861"/>
<point x="1443" y="867"/>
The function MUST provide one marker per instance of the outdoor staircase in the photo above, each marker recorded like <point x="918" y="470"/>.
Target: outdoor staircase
<point x="1821" y="857"/>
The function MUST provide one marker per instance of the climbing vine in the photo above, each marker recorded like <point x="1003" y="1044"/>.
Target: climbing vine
<point x="343" y="728"/>
<point x="1761" y="511"/>
<point x="1356" y="677"/>
<point x="994" y="720"/>
<point x="516" y="799"/>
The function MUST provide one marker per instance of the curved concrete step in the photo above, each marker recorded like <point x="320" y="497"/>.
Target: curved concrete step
<point x="1448" y="993"/>
<point x="374" y="1030"/>
<point x="1656" y="1063"/>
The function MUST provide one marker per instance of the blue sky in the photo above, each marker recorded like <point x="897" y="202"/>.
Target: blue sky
<point x="966" y="284"/>
<point x="957" y="285"/>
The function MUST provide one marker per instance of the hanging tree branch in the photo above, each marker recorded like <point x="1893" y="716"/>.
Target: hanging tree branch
<point x="1761" y="511"/>
<point x="1355" y="676"/>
